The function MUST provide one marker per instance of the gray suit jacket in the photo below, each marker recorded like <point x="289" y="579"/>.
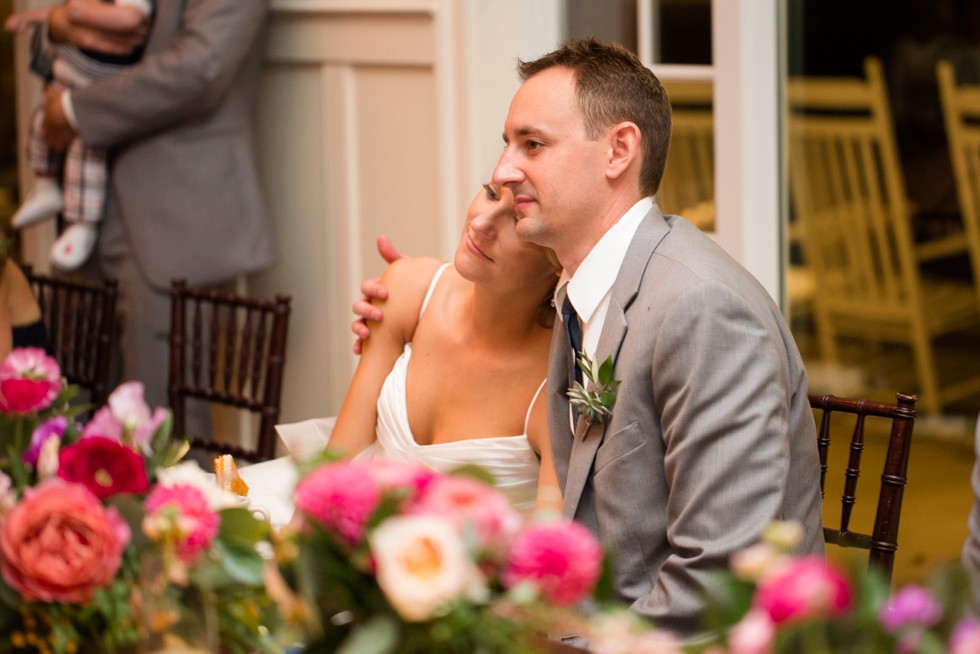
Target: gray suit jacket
<point x="711" y="437"/>
<point x="184" y="178"/>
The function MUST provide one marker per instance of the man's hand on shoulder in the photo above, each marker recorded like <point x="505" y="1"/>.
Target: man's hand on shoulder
<point x="372" y="289"/>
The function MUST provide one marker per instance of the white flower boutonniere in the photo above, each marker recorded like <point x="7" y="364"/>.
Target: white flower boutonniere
<point x="595" y="405"/>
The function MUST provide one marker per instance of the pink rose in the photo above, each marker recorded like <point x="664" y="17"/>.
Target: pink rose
<point x="127" y="418"/>
<point x="30" y="381"/>
<point x="180" y="514"/>
<point x="341" y="496"/>
<point x="468" y="501"/>
<point x="562" y="559"/>
<point x="104" y="466"/>
<point x="60" y="544"/>
<point x="754" y="634"/>
<point x="807" y="587"/>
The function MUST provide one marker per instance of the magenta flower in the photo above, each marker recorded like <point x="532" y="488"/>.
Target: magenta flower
<point x="912" y="606"/>
<point x="341" y="496"/>
<point x="29" y="381"/>
<point x="127" y="418"/>
<point x="103" y="466"/>
<point x="50" y="428"/>
<point x="401" y="476"/>
<point x="180" y="515"/>
<point x="467" y="501"/>
<point x="807" y="587"/>
<point x="561" y="559"/>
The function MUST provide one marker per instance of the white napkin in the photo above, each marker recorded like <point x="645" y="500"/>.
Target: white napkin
<point x="306" y="438"/>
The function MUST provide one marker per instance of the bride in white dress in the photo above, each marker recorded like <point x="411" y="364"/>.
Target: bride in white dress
<point x="454" y="373"/>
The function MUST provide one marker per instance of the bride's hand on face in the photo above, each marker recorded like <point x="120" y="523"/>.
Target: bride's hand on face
<point x="372" y="289"/>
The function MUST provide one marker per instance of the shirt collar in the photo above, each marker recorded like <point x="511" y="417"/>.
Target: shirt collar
<point x="598" y="271"/>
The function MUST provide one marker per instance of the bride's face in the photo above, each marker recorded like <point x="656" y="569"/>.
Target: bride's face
<point x="489" y="250"/>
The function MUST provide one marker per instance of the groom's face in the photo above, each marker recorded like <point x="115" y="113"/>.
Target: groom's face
<point x="549" y="163"/>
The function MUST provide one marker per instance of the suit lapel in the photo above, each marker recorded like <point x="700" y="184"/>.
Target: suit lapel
<point x="585" y="444"/>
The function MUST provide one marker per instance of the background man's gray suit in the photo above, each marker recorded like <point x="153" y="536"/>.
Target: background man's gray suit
<point x="711" y="437"/>
<point x="185" y="196"/>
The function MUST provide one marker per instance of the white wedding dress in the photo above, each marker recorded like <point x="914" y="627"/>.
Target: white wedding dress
<point x="510" y="459"/>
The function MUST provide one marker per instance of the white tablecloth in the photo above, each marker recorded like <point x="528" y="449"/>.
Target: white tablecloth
<point x="271" y="483"/>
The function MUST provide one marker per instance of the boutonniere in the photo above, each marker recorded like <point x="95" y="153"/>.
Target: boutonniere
<point x="594" y="405"/>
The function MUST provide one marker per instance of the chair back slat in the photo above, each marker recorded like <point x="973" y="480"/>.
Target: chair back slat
<point x="961" y="114"/>
<point x="849" y="200"/>
<point x="883" y="539"/>
<point x="246" y="345"/>
<point x="80" y="321"/>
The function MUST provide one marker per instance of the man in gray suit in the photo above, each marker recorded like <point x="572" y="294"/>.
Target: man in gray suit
<point x="711" y="436"/>
<point x="184" y="197"/>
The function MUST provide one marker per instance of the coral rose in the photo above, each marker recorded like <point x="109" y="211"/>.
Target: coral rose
<point x="561" y="559"/>
<point x="341" y="496"/>
<point x="30" y="381"/>
<point x="60" y="544"/>
<point x="754" y="634"/>
<point x="808" y="587"/>
<point x="423" y="565"/>
<point x="104" y="466"/>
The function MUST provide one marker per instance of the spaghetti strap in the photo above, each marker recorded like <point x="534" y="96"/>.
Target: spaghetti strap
<point x="432" y="287"/>
<point x="527" y="418"/>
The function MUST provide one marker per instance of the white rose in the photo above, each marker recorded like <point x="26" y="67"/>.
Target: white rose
<point x="423" y="564"/>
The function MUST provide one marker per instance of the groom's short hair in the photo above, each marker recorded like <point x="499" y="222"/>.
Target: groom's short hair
<point x="612" y="85"/>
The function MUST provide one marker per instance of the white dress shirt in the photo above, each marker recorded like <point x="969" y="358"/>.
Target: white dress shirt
<point x="589" y="288"/>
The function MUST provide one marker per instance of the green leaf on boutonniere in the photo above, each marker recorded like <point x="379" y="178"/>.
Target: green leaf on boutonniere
<point x="597" y="404"/>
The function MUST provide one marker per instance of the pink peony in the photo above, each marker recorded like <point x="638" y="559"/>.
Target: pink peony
<point x="104" y="466"/>
<point x="807" y="587"/>
<point x="755" y="633"/>
<point x="966" y="637"/>
<point x="400" y="476"/>
<point x="180" y="514"/>
<point x="60" y="544"/>
<point x="127" y="418"/>
<point x="912" y="606"/>
<point x="470" y="502"/>
<point x="562" y="559"/>
<point x="341" y="496"/>
<point x="50" y="428"/>
<point x="30" y="381"/>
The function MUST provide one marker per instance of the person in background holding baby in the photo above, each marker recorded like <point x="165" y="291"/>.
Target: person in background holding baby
<point x="74" y="181"/>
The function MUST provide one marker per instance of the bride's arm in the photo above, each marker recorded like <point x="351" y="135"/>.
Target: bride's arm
<point x="407" y="281"/>
<point x="549" y="493"/>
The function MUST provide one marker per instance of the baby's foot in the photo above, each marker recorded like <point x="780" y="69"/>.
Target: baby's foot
<point x="74" y="246"/>
<point x="43" y="202"/>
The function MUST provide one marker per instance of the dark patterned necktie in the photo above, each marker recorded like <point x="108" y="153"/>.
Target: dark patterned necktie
<point x="574" y="331"/>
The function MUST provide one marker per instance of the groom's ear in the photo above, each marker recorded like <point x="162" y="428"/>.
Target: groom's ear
<point x="624" y="148"/>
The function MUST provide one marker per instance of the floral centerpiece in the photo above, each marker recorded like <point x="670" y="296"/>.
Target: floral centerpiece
<point x="105" y="543"/>
<point x="775" y="603"/>
<point x="390" y="557"/>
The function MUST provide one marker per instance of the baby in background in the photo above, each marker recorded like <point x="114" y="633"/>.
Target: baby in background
<point x="74" y="182"/>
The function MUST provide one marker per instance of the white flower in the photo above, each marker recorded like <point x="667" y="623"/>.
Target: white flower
<point x="423" y="565"/>
<point x="8" y="497"/>
<point x="190" y="473"/>
<point x="48" y="459"/>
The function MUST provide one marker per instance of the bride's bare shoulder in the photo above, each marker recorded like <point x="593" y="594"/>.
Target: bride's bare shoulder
<point x="407" y="281"/>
